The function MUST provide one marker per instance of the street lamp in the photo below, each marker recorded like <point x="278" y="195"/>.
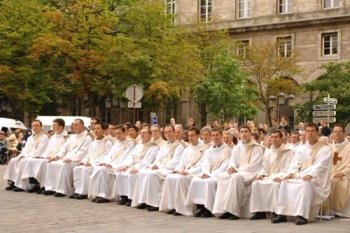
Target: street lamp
<point x="280" y="100"/>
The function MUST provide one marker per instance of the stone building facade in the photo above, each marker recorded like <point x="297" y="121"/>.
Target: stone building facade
<point x="316" y="31"/>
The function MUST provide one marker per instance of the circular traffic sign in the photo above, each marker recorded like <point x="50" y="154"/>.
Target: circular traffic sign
<point x="134" y="93"/>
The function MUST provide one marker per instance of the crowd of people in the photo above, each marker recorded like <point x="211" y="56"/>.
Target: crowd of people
<point x="222" y="171"/>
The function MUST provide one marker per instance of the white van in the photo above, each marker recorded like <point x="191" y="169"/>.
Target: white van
<point x="11" y="123"/>
<point x="47" y="121"/>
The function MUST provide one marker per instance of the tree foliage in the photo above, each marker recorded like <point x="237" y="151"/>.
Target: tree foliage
<point x="268" y="72"/>
<point x="335" y="83"/>
<point x="226" y="91"/>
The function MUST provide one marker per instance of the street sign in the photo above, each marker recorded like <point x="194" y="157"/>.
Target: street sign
<point x="324" y="106"/>
<point x="134" y="104"/>
<point x="329" y="100"/>
<point x="324" y="113"/>
<point x="328" y="119"/>
<point x="134" y="93"/>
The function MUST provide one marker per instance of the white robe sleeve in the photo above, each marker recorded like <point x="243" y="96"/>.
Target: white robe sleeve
<point x="171" y="164"/>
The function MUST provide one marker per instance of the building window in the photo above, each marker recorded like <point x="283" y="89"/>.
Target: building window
<point x="284" y="45"/>
<point x="331" y="3"/>
<point x="285" y="6"/>
<point x="170" y="7"/>
<point x="205" y="10"/>
<point x="241" y="48"/>
<point x="244" y="9"/>
<point x="329" y="44"/>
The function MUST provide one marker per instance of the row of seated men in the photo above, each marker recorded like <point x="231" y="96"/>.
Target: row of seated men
<point x="203" y="178"/>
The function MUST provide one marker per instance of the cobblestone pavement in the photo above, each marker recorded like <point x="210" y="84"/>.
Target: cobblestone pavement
<point x="24" y="212"/>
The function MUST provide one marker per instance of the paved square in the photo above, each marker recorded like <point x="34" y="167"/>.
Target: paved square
<point x="24" y="212"/>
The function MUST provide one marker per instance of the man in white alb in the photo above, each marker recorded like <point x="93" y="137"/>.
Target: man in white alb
<point x="33" y="170"/>
<point x="265" y="188"/>
<point x="141" y="158"/>
<point x="340" y="173"/>
<point x="149" y="182"/>
<point x="157" y="136"/>
<point x="99" y="148"/>
<point x="177" y="183"/>
<point x="233" y="192"/>
<point x="103" y="175"/>
<point x="203" y="186"/>
<point x="307" y="184"/>
<point x="36" y="145"/>
<point x="59" y="172"/>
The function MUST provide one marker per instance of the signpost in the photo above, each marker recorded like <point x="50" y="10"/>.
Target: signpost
<point x="325" y="111"/>
<point x="134" y="93"/>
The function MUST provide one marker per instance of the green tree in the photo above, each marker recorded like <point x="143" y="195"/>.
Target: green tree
<point x="226" y="91"/>
<point x="155" y="54"/>
<point x="77" y="45"/>
<point x="335" y="83"/>
<point x="22" y="79"/>
<point x="270" y="73"/>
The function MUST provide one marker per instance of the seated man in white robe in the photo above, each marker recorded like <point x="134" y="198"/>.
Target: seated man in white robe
<point x="36" y="145"/>
<point x="340" y="173"/>
<point x="177" y="183"/>
<point x="149" y="182"/>
<point x="103" y="175"/>
<point x="59" y="172"/>
<point x="233" y="191"/>
<point x="202" y="189"/>
<point x="99" y="148"/>
<point x="33" y="170"/>
<point x="206" y="136"/>
<point x="265" y="188"/>
<point x="141" y="158"/>
<point x="307" y="184"/>
<point x="157" y="136"/>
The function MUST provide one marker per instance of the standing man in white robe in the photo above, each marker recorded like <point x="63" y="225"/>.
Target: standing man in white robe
<point x="177" y="183"/>
<point x="36" y="145"/>
<point x="265" y="188"/>
<point x="202" y="189"/>
<point x="149" y="182"/>
<point x="99" y="148"/>
<point x="234" y="186"/>
<point x="33" y="170"/>
<point x="141" y="157"/>
<point x="307" y="184"/>
<point x="59" y="172"/>
<point x="103" y="175"/>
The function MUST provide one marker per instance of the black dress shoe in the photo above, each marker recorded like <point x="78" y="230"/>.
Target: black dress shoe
<point x="273" y="215"/>
<point x="207" y="214"/>
<point x="258" y="215"/>
<point x="49" y="192"/>
<point x="141" y="206"/>
<point x="172" y="211"/>
<point x="279" y="218"/>
<point x="101" y="200"/>
<point x="300" y="220"/>
<point x="16" y="189"/>
<point x="94" y="199"/>
<point x="123" y="200"/>
<point x="35" y="189"/>
<point x="11" y="185"/>
<point x="199" y="212"/>
<point x="234" y="217"/>
<point x="177" y="214"/>
<point x="59" y="195"/>
<point x="226" y="215"/>
<point x="152" y="208"/>
<point x="81" y="196"/>
<point x="41" y="191"/>
<point x="128" y="203"/>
